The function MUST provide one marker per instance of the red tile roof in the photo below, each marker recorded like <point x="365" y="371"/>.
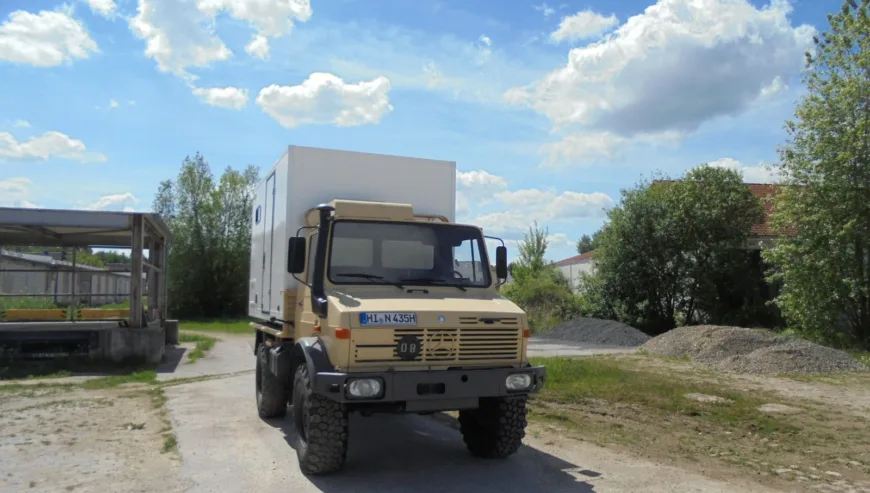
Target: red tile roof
<point x="575" y="259"/>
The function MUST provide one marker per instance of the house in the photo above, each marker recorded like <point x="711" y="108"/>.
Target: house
<point x="760" y="236"/>
<point x="573" y="267"/>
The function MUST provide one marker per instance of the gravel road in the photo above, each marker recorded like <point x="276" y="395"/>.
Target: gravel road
<point x="225" y="446"/>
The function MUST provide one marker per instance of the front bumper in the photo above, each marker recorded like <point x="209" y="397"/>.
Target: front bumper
<point x="421" y="390"/>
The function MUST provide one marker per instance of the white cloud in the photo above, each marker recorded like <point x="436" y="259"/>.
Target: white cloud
<point x="113" y="104"/>
<point x="48" y="145"/>
<point x="585" y="148"/>
<point x="545" y="9"/>
<point x="46" y="39"/>
<point x="762" y="173"/>
<point x="15" y="192"/>
<point x="325" y="98"/>
<point x="269" y="18"/>
<point x="583" y="25"/>
<point x="119" y="201"/>
<point x="530" y="205"/>
<point x="476" y="188"/>
<point x="258" y="47"/>
<point x="177" y="36"/>
<point x="485" y="40"/>
<point x="21" y="124"/>
<point x="559" y="239"/>
<point x="670" y="69"/>
<point x="105" y="8"/>
<point x="224" y="97"/>
<point x="180" y="35"/>
<point x="582" y="148"/>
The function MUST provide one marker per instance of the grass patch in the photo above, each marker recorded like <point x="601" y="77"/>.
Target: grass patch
<point x="170" y="442"/>
<point x="203" y="343"/>
<point x="576" y="381"/>
<point x="232" y="326"/>
<point x="639" y="405"/>
<point x="143" y="376"/>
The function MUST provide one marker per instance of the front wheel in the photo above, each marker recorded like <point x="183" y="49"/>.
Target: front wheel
<point x="321" y="427"/>
<point x="495" y="429"/>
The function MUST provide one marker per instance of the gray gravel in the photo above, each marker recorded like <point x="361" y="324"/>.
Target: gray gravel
<point x="596" y="331"/>
<point x="740" y="350"/>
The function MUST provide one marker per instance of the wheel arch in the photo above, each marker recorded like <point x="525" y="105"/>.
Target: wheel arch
<point x="311" y="352"/>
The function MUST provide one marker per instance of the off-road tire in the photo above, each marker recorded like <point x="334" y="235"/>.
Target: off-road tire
<point x="321" y="427"/>
<point x="495" y="429"/>
<point x="272" y="392"/>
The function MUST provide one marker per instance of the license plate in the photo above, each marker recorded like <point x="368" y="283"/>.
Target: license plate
<point x="387" y="318"/>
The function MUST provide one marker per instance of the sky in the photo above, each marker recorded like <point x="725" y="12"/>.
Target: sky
<point x="548" y="109"/>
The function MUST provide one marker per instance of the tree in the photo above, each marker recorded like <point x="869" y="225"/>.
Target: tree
<point x="210" y="222"/>
<point x="587" y="243"/>
<point x="537" y="287"/>
<point x="668" y="246"/>
<point x="824" y="266"/>
<point x="532" y="249"/>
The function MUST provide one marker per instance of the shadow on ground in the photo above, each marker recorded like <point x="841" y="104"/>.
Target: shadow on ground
<point x="172" y="357"/>
<point x="389" y="452"/>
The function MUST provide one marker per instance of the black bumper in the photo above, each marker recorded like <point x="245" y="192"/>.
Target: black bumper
<point x="417" y="388"/>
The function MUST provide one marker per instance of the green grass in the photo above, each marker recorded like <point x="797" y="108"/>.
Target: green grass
<point x="233" y="326"/>
<point x="581" y="381"/>
<point x="143" y="376"/>
<point x="203" y="343"/>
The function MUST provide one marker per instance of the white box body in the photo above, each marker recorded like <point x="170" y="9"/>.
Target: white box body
<point x="304" y="177"/>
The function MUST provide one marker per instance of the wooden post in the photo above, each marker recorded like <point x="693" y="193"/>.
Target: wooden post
<point x="136" y="272"/>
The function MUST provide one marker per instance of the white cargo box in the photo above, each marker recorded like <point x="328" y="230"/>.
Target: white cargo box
<point x="305" y="177"/>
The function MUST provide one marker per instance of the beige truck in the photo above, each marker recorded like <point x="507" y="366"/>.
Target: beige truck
<point x="364" y="304"/>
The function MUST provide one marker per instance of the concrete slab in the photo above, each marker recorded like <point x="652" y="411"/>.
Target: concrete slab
<point x="232" y="353"/>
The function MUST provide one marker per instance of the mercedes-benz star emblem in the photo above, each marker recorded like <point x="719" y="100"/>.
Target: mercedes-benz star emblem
<point x="441" y="318"/>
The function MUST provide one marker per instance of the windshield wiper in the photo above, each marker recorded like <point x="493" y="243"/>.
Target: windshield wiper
<point x="370" y="277"/>
<point x="433" y="281"/>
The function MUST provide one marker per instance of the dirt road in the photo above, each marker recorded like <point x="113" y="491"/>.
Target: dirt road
<point x="225" y="446"/>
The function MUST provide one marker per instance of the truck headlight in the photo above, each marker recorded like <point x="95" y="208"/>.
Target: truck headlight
<point x="365" y="388"/>
<point x="518" y="381"/>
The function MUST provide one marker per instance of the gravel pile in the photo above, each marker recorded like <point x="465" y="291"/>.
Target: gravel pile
<point x="740" y="350"/>
<point x="596" y="331"/>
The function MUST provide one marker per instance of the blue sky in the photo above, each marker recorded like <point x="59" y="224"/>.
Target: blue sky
<point x="549" y="109"/>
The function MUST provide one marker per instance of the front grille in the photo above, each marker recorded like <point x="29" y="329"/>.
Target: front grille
<point x="462" y="344"/>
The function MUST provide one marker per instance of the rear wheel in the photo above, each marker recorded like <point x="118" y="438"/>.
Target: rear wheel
<point x="494" y="430"/>
<point x="272" y="392"/>
<point x="321" y="427"/>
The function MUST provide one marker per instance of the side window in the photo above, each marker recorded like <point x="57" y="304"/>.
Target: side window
<point x="257" y="215"/>
<point x="312" y="251"/>
<point x="467" y="260"/>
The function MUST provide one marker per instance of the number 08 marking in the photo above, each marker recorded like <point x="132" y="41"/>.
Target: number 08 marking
<point x="408" y="348"/>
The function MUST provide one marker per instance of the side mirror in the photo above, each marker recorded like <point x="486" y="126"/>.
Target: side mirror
<point x="501" y="266"/>
<point x="296" y="255"/>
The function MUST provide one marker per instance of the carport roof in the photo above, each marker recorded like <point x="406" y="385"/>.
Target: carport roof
<point x="65" y="227"/>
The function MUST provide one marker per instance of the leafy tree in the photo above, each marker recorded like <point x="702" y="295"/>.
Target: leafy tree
<point x="824" y="268"/>
<point x="587" y="243"/>
<point x="539" y="288"/>
<point x="532" y="249"/>
<point x="669" y="245"/>
<point x="210" y="222"/>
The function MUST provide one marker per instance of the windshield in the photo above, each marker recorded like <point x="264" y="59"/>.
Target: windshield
<point x="407" y="254"/>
